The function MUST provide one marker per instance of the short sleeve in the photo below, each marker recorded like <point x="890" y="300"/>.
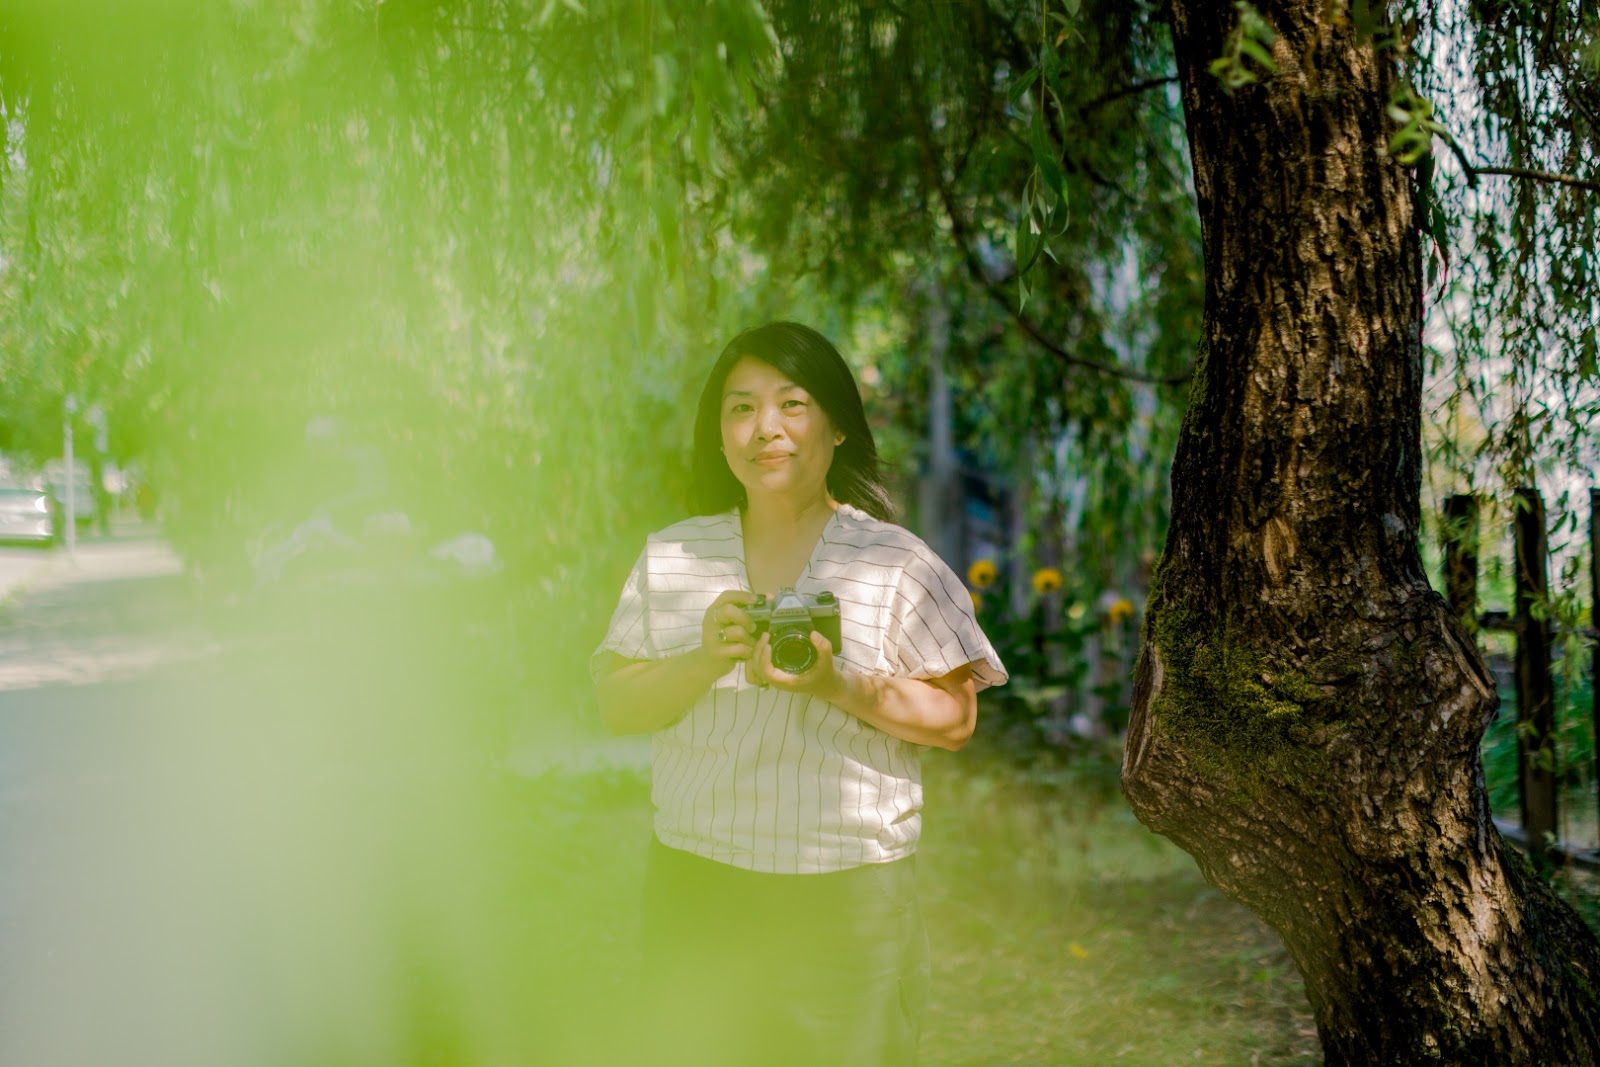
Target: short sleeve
<point x="933" y="630"/>
<point x="629" y="633"/>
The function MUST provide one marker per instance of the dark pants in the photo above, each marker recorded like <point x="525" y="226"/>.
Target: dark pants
<point x="798" y="970"/>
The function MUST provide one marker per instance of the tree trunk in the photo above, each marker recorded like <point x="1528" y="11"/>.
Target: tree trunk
<point x="1307" y="711"/>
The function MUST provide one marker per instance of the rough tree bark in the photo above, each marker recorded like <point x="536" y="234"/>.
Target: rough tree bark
<point x="1307" y="711"/>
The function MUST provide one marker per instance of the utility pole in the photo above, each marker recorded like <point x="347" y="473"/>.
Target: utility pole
<point x="71" y="409"/>
<point x="99" y="505"/>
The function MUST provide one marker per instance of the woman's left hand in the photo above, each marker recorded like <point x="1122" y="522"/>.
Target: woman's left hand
<point x="940" y="712"/>
<point x="816" y="681"/>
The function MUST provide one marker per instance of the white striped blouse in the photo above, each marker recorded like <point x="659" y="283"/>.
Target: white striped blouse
<point x="783" y="782"/>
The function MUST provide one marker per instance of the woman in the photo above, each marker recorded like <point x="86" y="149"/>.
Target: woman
<point x="780" y="921"/>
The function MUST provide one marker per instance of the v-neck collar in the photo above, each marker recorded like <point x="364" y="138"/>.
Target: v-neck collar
<point x="805" y="572"/>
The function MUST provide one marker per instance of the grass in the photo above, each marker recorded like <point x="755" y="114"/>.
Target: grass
<point x="1063" y="932"/>
<point x="496" y="921"/>
<point x="1066" y="933"/>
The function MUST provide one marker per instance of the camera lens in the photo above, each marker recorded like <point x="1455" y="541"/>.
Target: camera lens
<point x="793" y="653"/>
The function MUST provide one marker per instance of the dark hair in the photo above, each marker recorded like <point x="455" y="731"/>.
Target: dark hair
<point x="808" y="359"/>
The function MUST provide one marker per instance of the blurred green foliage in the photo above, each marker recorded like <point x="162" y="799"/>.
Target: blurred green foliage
<point x="498" y="241"/>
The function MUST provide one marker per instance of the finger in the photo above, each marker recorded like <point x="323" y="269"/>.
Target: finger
<point x="783" y="677"/>
<point x="733" y="635"/>
<point x="761" y="659"/>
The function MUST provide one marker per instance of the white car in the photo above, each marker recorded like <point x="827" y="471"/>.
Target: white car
<point x="28" y="515"/>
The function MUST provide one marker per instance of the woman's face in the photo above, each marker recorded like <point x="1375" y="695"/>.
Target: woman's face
<point x="778" y="441"/>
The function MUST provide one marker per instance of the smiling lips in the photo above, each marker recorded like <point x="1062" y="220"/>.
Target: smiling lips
<point x="772" y="457"/>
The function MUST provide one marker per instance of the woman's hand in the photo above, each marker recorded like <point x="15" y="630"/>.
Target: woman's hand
<point x="820" y="680"/>
<point x="939" y="712"/>
<point x="727" y="632"/>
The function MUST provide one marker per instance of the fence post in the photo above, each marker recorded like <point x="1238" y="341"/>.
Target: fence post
<point x="1461" y="557"/>
<point x="1594" y="625"/>
<point x="1535" y="698"/>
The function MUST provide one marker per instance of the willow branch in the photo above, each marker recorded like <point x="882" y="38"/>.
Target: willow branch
<point x="1540" y="176"/>
<point x="961" y="232"/>
<point x="1472" y="171"/>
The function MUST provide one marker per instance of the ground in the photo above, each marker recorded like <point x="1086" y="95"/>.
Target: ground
<point x="307" y="831"/>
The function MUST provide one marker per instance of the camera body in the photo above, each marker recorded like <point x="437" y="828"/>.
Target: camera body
<point x="789" y="618"/>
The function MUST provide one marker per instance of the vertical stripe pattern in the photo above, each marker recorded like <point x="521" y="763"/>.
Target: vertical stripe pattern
<point x="783" y="782"/>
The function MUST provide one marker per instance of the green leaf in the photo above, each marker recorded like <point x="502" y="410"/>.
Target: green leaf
<point x="1254" y="50"/>
<point x="1366" y="20"/>
<point x="701" y="127"/>
<point x="1045" y="157"/>
<point x="1028" y="243"/>
<point x="1020" y="84"/>
<point x="666" y="209"/>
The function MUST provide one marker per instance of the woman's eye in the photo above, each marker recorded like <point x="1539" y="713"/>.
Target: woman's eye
<point x="796" y="403"/>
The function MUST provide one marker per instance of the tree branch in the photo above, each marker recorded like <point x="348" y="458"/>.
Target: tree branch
<point x="1132" y="89"/>
<point x="1539" y="176"/>
<point x="1472" y="171"/>
<point x="1551" y="15"/>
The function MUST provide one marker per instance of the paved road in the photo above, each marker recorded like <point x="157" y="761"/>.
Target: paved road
<point x="18" y="564"/>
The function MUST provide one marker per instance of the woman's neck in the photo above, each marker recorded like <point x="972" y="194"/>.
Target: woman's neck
<point x="769" y="516"/>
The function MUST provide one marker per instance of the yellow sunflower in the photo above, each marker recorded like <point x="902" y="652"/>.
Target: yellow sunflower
<point x="1120" y="610"/>
<point x="982" y="574"/>
<point x="1046" y="580"/>
<point x="977" y="599"/>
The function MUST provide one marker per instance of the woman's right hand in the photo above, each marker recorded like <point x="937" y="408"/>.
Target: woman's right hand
<point x="727" y="632"/>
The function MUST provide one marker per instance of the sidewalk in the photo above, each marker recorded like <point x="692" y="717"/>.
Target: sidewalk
<point x="55" y="630"/>
<point x="19" y="570"/>
<point x="111" y="610"/>
<point x="132" y="549"/>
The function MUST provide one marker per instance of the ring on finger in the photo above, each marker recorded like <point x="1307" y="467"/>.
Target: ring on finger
<point x="722" y="634"/>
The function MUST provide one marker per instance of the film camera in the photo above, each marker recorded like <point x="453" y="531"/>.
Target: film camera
<point x="789" y="618"/>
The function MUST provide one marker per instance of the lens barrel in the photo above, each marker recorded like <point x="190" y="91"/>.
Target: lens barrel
<point x="793" y="653"/>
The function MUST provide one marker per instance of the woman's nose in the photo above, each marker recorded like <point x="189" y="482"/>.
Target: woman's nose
<point x="767" y="423"/>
